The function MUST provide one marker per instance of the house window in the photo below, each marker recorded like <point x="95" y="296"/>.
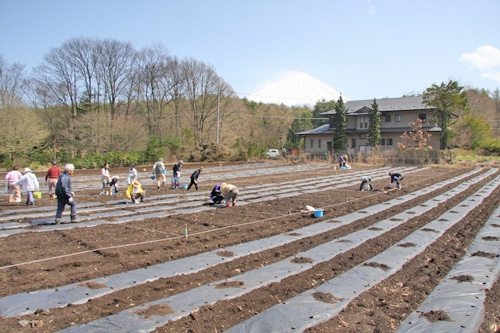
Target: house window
<point x="422" y="117"/>
<point x="387" y="118"/>
<point x="389" y="142"/>
<point x="312" y="143"/>
<point x="397" y="118"/>
<point x="319" y="143"/>
<point x="363" y="122"/>
<point x="382" y="142"/>
<point x="353" y="143"/>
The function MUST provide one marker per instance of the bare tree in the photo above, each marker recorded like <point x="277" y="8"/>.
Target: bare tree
<point x="12" y="83"/>
<point x="83" y="56"/>
<point x="116" y="67"/>
<point x="20" y="128"/>
<point x="177" y="93"/>
<point x="203" y="88"/>
<point x="155" y="86"/>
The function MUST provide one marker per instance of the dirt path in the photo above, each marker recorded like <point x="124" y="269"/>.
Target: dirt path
<point x="48" y="259"/>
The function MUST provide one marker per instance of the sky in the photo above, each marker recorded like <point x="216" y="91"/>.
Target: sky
<point x="363" y="49"/>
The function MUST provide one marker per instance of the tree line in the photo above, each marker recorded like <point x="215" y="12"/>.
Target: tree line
<point x="93" y="97"/>
<point x="93" y="100"/>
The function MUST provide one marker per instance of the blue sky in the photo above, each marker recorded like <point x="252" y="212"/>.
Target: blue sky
<point x="363" y="49"/>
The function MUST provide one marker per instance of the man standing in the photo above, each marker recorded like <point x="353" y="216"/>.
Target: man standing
<point x="64" y="194"/>
<point x="158" y="172"/>
<point x="194" y="178"/>
<point x="51" y="178"/>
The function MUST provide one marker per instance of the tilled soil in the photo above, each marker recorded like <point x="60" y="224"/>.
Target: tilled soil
<point x="42" y="260"/>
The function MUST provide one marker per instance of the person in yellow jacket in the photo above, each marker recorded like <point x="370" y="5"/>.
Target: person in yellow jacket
<point x="135" y="192"/>
<point x="229" y="193"/>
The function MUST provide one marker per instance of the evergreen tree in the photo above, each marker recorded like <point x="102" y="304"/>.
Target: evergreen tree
<point x="374" y="116"/>
<point x="320" y="107"/>
<point x="446" y="98"/>
<point x="340" y="125"/>
<point x="302" y="122"/>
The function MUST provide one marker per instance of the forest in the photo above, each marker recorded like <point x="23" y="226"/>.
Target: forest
<point x="91" y="101"/>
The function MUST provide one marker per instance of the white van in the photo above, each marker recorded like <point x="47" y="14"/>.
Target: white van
<point x="273" y="153"/>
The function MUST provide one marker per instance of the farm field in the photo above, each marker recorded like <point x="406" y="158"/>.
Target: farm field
<point x="423" y="258"/>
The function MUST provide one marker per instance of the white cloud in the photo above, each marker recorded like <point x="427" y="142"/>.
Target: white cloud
<point x="486" y="59"/>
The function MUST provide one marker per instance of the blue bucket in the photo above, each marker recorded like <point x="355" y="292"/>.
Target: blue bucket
<point x="184" y="186"/>
<point x="318" y="213"/>
<point x="153" y="177"/>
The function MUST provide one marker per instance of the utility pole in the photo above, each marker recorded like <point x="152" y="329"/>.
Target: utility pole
<point x="217" y="124"/>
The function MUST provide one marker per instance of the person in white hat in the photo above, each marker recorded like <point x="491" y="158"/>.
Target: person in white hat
<point x="30" y="184"/>
<point x="135" y="192"/>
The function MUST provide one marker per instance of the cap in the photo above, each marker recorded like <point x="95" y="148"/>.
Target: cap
<point x="181" y="162"/>
<point x="132" y="165"/>
<point x="27" y="170"/>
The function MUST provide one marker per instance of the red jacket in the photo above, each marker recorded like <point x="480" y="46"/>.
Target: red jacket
<point x="53" y="172"/>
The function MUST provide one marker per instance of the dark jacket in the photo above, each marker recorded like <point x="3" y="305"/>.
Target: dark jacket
<point x="215" y="192"/>
<point x="63" y="186"/>
<point x="195" y="175"/>
<point x="396" y="177"/>
<point x="177" y="168"/>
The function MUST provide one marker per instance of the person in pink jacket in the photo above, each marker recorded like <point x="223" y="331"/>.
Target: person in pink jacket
<point x="14" y="192"/>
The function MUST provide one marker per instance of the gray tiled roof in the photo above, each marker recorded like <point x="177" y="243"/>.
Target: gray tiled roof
<point x="318" y="130"/>
<point x="385" y="104"/>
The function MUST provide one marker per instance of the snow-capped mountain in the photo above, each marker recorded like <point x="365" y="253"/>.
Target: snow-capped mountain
<point x="295" y="88"/>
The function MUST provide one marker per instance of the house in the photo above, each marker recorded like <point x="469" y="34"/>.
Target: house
<point x="397" y="116"/>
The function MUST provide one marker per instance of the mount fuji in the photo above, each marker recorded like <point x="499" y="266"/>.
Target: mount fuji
<point x="294" y="88"/>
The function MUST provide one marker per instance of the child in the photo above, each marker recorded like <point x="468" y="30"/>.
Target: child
<point x="30" y="185"/>
<point x="135" y="192"/>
